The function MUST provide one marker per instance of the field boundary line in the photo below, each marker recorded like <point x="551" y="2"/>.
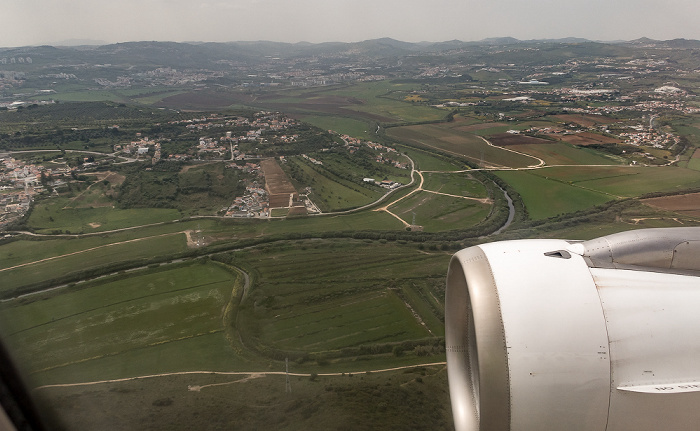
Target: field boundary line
<point x="541" y="162"/>
<point x="482" y="200"/>
<point x="234" y="373"/>
<point x="88" y="249"/>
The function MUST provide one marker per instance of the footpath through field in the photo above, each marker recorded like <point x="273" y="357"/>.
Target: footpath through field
<point x="251" y="374"/>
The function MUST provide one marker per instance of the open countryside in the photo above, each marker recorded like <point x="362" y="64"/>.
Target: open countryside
<point x="220" y="248"/>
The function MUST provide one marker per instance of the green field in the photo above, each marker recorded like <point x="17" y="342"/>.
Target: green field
<point x="78" y="93"/>
<point x="463" y="144"/>
<point x="254" y="402"/>
<point x="626" y="181"/>
<point x="429" y="162"/>
<point x="545" y="197"/>
<point x="141" y="249"/>
<point x="338" y="296"/>
<point x="559" y="153"/>
<point x="459" y="184"/>
<point x="694" y="164"/>
<point x="375" y="96"/>
<point x="328" y="298"/>
<point x="365" y="102"/>
<point x="349" y="126"/>
<point x="58" y="214"/>
<point x="97" y="330"/>
<point x="438" y="213"/>
<point x="329" y="191"/>
<point x="365" y="220"/>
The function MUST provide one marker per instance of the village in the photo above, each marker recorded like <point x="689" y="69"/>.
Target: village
<point x="263" y="128"/>
<point x="20" y="182"/>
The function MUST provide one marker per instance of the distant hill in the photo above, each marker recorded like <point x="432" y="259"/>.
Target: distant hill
<point x="147" y="55"/>
<point x="673" y="43"/>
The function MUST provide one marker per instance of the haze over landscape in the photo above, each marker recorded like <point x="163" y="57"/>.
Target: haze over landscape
<point x="35" y="22"/>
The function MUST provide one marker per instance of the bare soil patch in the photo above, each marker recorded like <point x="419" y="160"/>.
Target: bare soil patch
<point x="696" y="154"/>
<point x="688" y="204"/>
<point x="297" y="211"/>
<point x="507" y="139"/>
<point x="279" y="188"/>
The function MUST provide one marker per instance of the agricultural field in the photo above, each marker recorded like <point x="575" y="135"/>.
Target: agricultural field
<point x="425" y="161"/>
<point x="626" y="181"/>
<point x="546" y="197"/>
<point x="144" y="249"/>
<point x="336" y="309"/>
<point x="685" y="204"/>
<point x="132" y="320"/>
<point x="62" y="216"/>
<point x="558" y="153"/>
<point x="329" y="299"/>
<point x="355" y="221"/>
<point x="349" y="126"/>
<point x="257" y="401"/>
<point x="694" y="161"/>
<point x="461" y="144"/>
<point x="384" y="100"/>
<point x="329" y="190"/>
<point x="135" y="300"/>
<point x="436" y="212"/>
<point x="458" y="184"/>
<point x="585" y="120"/>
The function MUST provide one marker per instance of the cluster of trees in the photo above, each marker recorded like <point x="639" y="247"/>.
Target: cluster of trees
<point x="166" y="187"/>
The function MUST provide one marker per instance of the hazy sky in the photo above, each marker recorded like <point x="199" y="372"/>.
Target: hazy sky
<point x="33" y="22"/>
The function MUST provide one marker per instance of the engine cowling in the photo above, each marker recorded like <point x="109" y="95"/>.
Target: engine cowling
<point x="565" y="335"/>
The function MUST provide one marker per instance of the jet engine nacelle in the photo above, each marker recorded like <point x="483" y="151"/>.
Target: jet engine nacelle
<point x="564" y="335"/>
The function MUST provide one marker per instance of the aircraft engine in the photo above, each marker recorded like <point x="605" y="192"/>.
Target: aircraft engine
<point x="549" y="334"/>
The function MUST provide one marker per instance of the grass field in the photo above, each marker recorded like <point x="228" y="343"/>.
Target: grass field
<point x="58" y="214"/>
<point x="85" y="96"/>
<point x="63" y="265"/>
<point x="373" y="94"/>
<point x="349" y="126"/>
<point x="364" y="102"/>
<point x="459" y="184"/>
<point x="98" y="329"/>
<point x="329" y="296"/>
<point x="438" y="213"/>
<point x="626" y="181"/>
<point x="322" y="296"/>
<point x="545" y="197"/>
<point x="427" y="162"/>
<point x="254" y="402"/>
<point x="558" y="153"/>
<point x="363" y="164"/>
<point x="78" y="93"/>
<point x="330" y="192"/>
<point x="464" y="144"/>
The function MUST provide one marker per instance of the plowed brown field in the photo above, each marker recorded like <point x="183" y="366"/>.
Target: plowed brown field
<point x="684" y="204"/>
